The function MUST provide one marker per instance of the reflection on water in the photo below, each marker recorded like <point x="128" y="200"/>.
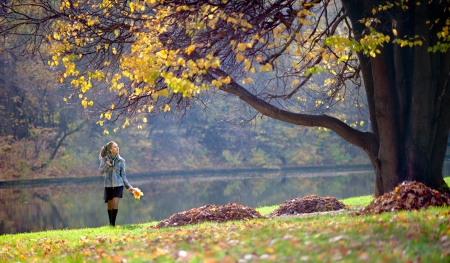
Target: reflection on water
<point x="77" y="205"/>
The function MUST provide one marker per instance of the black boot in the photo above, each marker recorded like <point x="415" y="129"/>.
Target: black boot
<point x="110" y="217"/>
<point x="113" y="216"/>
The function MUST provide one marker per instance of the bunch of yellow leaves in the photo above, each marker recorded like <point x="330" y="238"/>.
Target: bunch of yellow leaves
<point x="137" y="193"/>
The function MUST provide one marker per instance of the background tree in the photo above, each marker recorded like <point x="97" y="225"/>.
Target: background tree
<point x="34" y="121"/>
<point x="160" y="55"/>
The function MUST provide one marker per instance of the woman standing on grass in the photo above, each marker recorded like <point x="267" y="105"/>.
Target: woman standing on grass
<point x="112" y="167"/>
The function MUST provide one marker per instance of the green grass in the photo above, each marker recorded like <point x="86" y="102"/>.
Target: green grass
<point x="421" y="236"/>
<point x="266" y="210"/>
<point x="358" y="201"/>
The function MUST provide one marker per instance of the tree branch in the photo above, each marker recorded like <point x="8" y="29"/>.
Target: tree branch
<point x="363" y="140"/>
<point x="58" y="145"/>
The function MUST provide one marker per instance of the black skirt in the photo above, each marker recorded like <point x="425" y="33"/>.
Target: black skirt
<point x="111" y="192"/>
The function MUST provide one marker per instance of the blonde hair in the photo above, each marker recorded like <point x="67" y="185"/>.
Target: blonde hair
<point x="105" y="149"/>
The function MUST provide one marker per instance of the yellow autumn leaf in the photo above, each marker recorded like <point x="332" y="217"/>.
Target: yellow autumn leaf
<point x="126" y="123"/>
<point x="241" y="46"/>
<point x="137" y="193"/>
<point x="166" y="108"/>
<point x="216" y="83"/>
<point x="266" y="67"/>
<point x="137" y="91"/>
<point x="239" y="57"/>
<point x="227" y="80"/>
<point x="215" y="63"/>
<point x="108" y="115"/>
<point x="189" y="49"/>
<point x="144" y="120"/>
<point x="248" y="65"/>
<point x="394" y="32"/>
<point x="164" y="93"/>
<point x="181" y="62"/>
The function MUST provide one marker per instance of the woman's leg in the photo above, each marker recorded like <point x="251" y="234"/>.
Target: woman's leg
<point x="110" y="216"/>
<point x="113" y="205"/>
<point x="109" y="204"/>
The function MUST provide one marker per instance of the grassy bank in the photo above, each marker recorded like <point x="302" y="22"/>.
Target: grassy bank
<point x="419" y="236"/>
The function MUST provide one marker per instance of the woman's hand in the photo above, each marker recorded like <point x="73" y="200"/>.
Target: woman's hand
<point x="131" y="189"/>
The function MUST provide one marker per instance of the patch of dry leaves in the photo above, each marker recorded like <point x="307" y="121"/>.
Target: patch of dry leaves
<point x="308" y="204"/>
<point x="232" y="211"/>
<point x="409" y="195"/>
<point x="210" y="213"/>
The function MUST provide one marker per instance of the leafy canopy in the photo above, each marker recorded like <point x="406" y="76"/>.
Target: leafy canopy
<point x="156" y="54"/>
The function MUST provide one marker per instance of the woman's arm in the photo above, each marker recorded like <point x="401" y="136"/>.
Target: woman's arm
<point x="124" y="176"/>
<point x="105" y="165"/>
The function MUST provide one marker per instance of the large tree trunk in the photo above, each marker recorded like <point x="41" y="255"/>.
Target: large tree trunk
<point x="407" y="92"/>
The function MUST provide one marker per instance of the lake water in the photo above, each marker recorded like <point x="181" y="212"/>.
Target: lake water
<point x="77" y="203"/>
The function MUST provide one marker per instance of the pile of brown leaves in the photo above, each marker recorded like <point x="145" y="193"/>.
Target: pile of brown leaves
<point x="409" y="195"/>
<point x="208" y="213"/>
<point x="308" y="204"/>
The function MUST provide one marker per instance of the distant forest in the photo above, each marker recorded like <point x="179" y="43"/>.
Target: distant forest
<point x="41" y="136"/>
